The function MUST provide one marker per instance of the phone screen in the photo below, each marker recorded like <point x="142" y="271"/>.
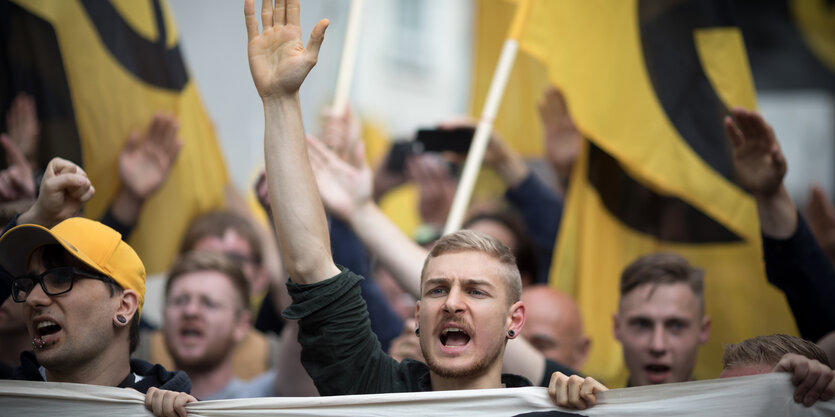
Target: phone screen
<point x="446" y="140"/>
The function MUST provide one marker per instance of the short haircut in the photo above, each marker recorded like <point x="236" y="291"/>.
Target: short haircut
<point x="524" y="250"/>
<point x="768" y="350"/>
<point x="662" y="268"/>
<point x="55" y="256"/>
<point x="197" y="261"/>
<point x="469" y="240"/>
<point x="215" y="224"/>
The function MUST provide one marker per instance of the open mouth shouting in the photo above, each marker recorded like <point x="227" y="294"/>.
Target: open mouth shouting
<point x="191" y="334"/>
<point x="657" y="373"/>
<point x="46" y="333"/>
<point x="453" y="339"/>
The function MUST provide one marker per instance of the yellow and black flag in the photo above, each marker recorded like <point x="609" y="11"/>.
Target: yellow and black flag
<point x="97" y="70"/>
<point x="649" y="82"/>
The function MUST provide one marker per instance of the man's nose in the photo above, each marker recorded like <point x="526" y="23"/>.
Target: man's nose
<point x="37" y="297"/>
<point x="454" y="302"/>
<point x="658" y="344"/>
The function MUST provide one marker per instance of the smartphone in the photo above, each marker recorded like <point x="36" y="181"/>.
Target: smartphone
<point x="399" y="152"/>
<point x="446" y="140"/>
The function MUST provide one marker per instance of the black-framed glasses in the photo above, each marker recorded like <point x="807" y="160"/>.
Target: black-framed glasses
<point x="55" y="281"/>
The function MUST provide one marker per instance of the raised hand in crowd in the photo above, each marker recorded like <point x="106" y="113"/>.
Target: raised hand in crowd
<point x="279" y="63"/>
<point x="341" y="133"/>
<point x="144" y="165"/>
<point x="574" y="391"/>
<point x="815" y="381"/>
<point x="346" y="192"/>
<point x="562" y="139"/>
<point x="344" y="188"/>
<point x="165" y="403"/>
<point x="760" y="167"/>
<point x="17" y="180"/>
<point x="820" y="213"/>
<point x="23" y="127"/>
<point x="64" y="190"/>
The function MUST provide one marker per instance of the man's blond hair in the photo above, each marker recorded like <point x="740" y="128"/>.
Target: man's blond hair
<point x="469" y="240"/>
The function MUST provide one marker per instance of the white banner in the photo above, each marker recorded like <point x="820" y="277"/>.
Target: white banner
<point x="759" y="395"/>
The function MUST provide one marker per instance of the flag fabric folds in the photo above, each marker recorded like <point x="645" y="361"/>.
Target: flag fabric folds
<point x="648" y="83"/>
<point x="100" y="70"/>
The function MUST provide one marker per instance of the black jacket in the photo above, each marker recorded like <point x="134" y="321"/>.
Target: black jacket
<point x="152" y="375"/>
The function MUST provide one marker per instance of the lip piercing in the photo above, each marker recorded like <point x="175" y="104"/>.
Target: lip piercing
<point x="38" y="343"/>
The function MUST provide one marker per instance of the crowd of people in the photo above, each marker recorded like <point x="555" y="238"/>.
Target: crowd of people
<point x="366" y="308"/>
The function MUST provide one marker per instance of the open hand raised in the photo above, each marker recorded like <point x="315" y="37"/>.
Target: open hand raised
<point x="277" y="59"/>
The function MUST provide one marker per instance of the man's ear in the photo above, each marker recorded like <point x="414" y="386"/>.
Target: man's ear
<point x="704" y="332"/>
<point x="616" y="326"/>
<point x="128" y="305"/>
<point x="243" y="325"/>
<point x="516" y="318"/>
<point x="417" y="313"/>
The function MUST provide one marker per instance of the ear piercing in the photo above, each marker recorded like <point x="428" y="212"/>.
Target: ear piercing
<point x="417" y="331"/>
<point x="511" y="334"/>
<point x="121" y="319"/>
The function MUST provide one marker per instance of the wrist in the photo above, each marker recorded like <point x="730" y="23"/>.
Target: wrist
<point x="360" y="212"/>
<point x="777" y="213"/>
<point x="33" y="216"/>
<point x="126" y="207"/>
<point x="280" y="101"/>
<point x="512" y="170"/>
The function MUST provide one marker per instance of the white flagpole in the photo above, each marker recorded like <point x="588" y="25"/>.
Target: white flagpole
<point x="485" y="125"/>
<point x="349" y="58"/>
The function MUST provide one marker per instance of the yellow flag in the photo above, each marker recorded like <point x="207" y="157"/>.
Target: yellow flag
<point x="648" y="83"/>
<point x="119" y="63"/>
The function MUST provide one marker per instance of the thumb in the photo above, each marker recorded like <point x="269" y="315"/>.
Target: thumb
<point x="133" y="141"/>
<point x="316" y="38"/>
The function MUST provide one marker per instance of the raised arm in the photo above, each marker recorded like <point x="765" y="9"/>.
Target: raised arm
<point x="794" y="262"/>
<point x="760" y="167"/>
<point x="279" y="63"/>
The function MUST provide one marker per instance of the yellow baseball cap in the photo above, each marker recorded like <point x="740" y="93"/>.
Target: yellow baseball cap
<point x="93" y="243"/>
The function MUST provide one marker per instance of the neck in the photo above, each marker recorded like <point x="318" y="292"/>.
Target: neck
<point x="206" y="382"/>
<point x="13" y="344"/>
<point x="108" y="368"/>
<point x="490" y="378"/>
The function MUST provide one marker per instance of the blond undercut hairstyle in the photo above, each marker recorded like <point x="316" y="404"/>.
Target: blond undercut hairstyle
<point x="469" y="240"/>
<point x="768" y="350"/>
